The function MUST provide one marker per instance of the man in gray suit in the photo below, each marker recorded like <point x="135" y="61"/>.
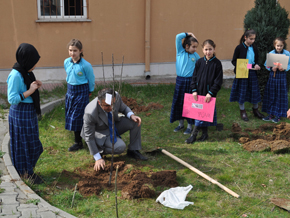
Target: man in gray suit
<point x="98" y="135"/>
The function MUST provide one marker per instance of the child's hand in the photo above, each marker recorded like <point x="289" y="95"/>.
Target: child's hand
<point x="274" y="68"/>
<point x="191" y="34"/>
<point x="194" y="95"/>
<point x="257" y="67"/>
<point x="280" y="68"/>
<point x="39" y="83"/>
<point x="33" y="86"/>
<point x="207" y="98"/>
<point x="288" y="113"/>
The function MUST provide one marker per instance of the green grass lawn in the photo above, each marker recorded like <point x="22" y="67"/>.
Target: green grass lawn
<point x="256" y="177"/>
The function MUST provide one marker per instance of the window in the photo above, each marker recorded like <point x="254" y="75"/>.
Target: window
<point x="62" y="10"/>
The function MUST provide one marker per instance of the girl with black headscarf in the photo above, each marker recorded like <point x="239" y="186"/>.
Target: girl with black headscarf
<point x="23" y="96"/>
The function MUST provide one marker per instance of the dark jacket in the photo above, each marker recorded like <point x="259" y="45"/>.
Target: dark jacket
<point x="207" y="77"/>
<point x="241" y="52"/>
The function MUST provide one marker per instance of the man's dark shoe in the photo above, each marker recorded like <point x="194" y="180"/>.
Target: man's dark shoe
<point x="136" y="154"/>
<point x="76" y="146"/>
<point x="202" y="138"/>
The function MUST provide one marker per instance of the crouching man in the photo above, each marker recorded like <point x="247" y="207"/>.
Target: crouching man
<point x="97" y="128"/>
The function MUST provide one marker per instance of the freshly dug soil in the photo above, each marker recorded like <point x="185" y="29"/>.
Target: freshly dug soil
<point x="280" y="145"/>
<point x="259" y="140"/>
<point x="137" y="108"/>
<point x="132" y="182"/>
<point x="256" y="145"/>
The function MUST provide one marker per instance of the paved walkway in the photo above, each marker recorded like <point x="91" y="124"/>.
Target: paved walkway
<point x="16" y="198"/>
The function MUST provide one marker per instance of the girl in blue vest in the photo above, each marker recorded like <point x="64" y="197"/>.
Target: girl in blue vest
<point x="275" y="102"/>
<point x="80" y="83"/>
<point x="186" y="58"/>
<point x="23" y="95"/>
<point x="247" y="89"/>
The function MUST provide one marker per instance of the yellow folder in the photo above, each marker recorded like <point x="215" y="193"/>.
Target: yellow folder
<point x="241" y="68"/>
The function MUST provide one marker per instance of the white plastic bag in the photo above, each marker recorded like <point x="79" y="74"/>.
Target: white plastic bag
<point x="175" y="197"/>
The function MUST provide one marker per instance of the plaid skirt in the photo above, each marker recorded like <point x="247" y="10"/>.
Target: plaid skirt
<point x="200" y="123"/>
<point x="76" y="100"/>
<point x="182" y="86"/>
<point x="275" y="100"/>
<point x="25" y="146"/>
<point x="246" y="89"/>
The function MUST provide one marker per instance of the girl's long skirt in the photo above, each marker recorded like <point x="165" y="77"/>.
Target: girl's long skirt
<point x="182" y="86"/>
<point x="76" y="100"/>
<point x="200" y="123"/>
<point x="246" y="89"/>
<point x="275" y="100"/>
<point x="25" y="146"/>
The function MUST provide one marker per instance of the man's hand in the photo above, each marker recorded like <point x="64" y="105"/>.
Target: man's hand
<point x="99" y="164"/>
<point x="194" y="95"/>
<point x="136" y="119"/>
<point x="207" y="98"/>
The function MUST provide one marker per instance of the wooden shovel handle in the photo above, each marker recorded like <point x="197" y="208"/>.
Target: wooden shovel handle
<point x="200" y="173"/>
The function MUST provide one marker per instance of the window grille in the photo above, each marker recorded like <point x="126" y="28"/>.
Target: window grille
<point x="62" y="10"/>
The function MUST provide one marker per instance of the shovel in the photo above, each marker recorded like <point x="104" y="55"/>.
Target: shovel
<point x="158" y="150"/>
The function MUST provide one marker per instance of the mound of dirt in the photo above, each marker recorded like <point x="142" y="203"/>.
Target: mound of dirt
<point x="282" y="130"/>
<point x="280" y="145"/>
<point x="256" y="145"/>
<point x="236" y="127"/>
<point x="260" y="141"/>
<point x="244" y="140"/>
<point x="132" y="182"/>
<point x="136" y="108"/>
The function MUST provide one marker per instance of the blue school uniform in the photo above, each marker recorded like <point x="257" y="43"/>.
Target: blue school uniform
<point x="80" y="82"/>
<point x="275" y="100"/>
<point x="185" y="64"/>
<point x="25" y="146"/>
<point x="246" y="89"/>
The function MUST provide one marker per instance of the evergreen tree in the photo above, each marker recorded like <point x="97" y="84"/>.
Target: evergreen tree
<point x="269" y="20"/>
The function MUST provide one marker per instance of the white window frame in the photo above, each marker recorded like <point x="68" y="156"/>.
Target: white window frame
<point x="62" y="17"/>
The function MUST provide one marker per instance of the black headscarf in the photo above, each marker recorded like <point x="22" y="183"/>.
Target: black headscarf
<point x="27" y="56"/>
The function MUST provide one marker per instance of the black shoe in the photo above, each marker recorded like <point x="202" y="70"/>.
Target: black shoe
<point x="35" y="179"/>
<point x="244" y="115"/>
<point x="202" y="138"/>
<point x="136" y="154"/>
<point x="76" y="146"/>
<point x="258" y="114"/>
<point x="191" y="139"/>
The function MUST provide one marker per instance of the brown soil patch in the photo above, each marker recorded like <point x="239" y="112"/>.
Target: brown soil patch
<point x="280" y="145"/>
<point x="244" y="140"/>
<point x="256" y="145"/>
<point x="132" y="182"/>
<point x="137" y="108"/>
<point x="260" y="140"/>
<point x="236" y="127"/>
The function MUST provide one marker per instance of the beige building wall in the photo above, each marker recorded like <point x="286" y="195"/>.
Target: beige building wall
<point x="118" y="27"/>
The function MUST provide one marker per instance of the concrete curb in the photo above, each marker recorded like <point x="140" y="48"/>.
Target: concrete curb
<point x="16" y="178"/>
